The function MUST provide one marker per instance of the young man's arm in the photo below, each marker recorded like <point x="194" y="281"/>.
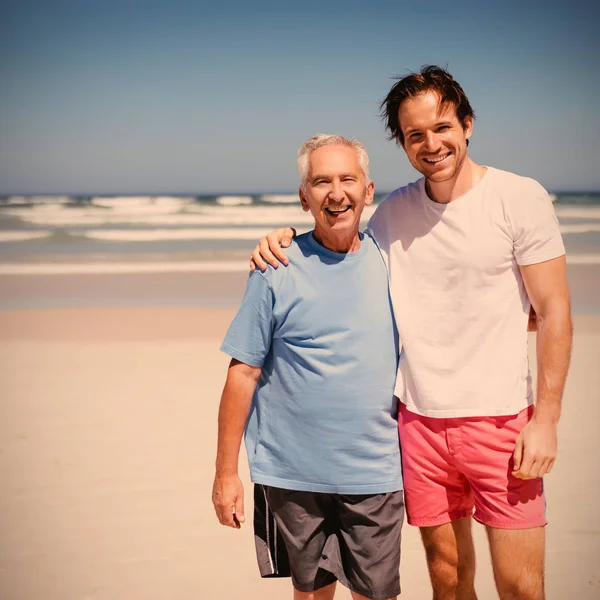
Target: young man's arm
<point x="546" y="285"/>
<point x="236" y="400"/>
<point x="269" y="249"/>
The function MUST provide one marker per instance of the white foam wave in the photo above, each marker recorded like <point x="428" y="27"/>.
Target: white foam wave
<point x="21" y="236"/>
<point x="580" y="228"/>
<point x="577" y="211"/>
<point x="118" y="268"/>
<point x="234" y="200"/>
<point x="196" y="215"/>
<point x="583" y="259"/>
<point x="141" y="204"/>
<point x="15" y="200"/>
<point x="174" y="267"/>
<point x="209" y="216"/>
<point x="280" y="198"/>
<point x="155" y="235"/>
<point x="40" y="204"/>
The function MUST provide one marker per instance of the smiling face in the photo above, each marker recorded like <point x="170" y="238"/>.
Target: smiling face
<point x="335" y="192"/>
<point x="435" y="141"/>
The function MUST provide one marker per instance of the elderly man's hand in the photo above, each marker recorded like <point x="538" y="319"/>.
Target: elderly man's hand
<point x="228" y="500"/>
<point x="535" y="450"/>
<point x="268" y="249"/>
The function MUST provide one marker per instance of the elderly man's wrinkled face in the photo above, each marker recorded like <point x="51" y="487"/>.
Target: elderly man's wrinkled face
<point x="336" y="192"/>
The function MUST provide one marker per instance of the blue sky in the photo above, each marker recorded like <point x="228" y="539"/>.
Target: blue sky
<point x="106" y="96"/>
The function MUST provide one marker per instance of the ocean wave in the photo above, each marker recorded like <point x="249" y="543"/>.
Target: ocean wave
<point x="280" y="198"/>
<point x="162" y="235"/>
<point x="34" y="200"/>
<point x="22" y="236"/>
<point x="124" y="267"/>
<point x="232" y="266"/>
<point x="577" y="211"/>
<point x="199" y="215"/>
<point x="234" y="200"/>
<point x="141" y="204"/>
<point x="580" y="228"/>
<point x="583" y="259"/>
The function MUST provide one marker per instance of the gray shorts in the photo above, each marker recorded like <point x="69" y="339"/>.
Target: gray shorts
<point x="319" y="538"/>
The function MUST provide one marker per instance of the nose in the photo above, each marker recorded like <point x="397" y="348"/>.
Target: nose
<point x="432" y="143"/>
<point x="336" y="193"/>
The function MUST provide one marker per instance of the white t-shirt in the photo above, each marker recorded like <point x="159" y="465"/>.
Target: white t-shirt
<point x="459" y="300"/>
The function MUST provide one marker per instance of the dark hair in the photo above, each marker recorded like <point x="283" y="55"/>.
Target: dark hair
<point x="431" y="78"/>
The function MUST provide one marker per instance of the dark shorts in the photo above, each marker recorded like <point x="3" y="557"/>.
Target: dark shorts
<point x="319" y="538"/>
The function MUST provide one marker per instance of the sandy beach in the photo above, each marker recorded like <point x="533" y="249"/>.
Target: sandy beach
<point x="107" y="443"/>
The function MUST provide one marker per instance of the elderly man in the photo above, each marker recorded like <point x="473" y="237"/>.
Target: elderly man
<point x="312" y="384"/>
<point x="468" y="249"/>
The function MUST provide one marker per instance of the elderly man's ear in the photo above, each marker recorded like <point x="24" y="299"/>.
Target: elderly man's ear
<point x="303" y="201"/>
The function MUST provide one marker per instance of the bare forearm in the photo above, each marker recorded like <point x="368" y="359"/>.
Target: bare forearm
<point x="234" y="409"/>
<point x="554" y="338"/>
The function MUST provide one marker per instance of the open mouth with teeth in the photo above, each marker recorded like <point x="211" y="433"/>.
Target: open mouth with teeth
<point x="437" y="159"/>
<point x="337" y="210"/>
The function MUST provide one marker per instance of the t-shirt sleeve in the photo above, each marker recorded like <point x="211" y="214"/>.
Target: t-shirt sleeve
<point x="536" y="232"/>
<point x="377" y="229"/>
<point x="249" y="336"/>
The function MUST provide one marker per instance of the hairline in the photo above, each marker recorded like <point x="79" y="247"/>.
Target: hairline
<point x="321" y="140"/>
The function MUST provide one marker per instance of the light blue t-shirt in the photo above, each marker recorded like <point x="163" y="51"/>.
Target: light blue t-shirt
<point x="323" y="417"/>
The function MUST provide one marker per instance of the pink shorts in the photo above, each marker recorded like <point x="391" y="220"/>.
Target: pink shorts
<point x="452" y="466"/>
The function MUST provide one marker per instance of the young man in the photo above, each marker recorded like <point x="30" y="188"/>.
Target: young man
<point x="313" y="387"/>
<point x="468" y="248"/>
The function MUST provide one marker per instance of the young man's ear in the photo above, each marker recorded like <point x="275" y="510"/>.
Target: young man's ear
<point x="468" y="127"/>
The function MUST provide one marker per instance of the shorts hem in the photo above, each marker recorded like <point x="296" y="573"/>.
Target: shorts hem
<point x="376" y="595"/>
<point x="307" y="589"/>
<point x="310" y="587"/>
<point x="371" y="594"/>
<point x="435" y="521"/>
<point x="511" y="525"/>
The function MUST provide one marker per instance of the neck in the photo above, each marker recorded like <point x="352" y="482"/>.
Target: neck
<point x="467" y="177"/>
<point x="342" y="244"/>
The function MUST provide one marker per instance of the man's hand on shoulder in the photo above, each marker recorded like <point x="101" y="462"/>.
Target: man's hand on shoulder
<point x="535" y="451"/>
<point x="228" y="500"/>
<point x="269" y="249"/>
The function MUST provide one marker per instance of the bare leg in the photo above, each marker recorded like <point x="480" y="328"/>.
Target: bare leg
<point x="518" y="561"/>
<point x="451" y="560"/>
<point x="324" y="593"/>
<point x="356" y="596"/>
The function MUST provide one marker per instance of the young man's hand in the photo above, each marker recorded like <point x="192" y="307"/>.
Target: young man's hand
<point x="268" y="249"/>
<point x="535" y="450"/>
<point x="228" y="500"/>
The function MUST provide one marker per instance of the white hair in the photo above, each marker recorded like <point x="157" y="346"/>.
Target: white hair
<point x="322" y="139"/>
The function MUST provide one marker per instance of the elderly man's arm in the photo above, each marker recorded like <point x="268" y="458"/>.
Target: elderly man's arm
<point x="546" y="285"/>
<point x="236" y="400"/>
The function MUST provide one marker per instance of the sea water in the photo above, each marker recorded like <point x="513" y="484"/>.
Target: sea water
<point x="204" y="233"/>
